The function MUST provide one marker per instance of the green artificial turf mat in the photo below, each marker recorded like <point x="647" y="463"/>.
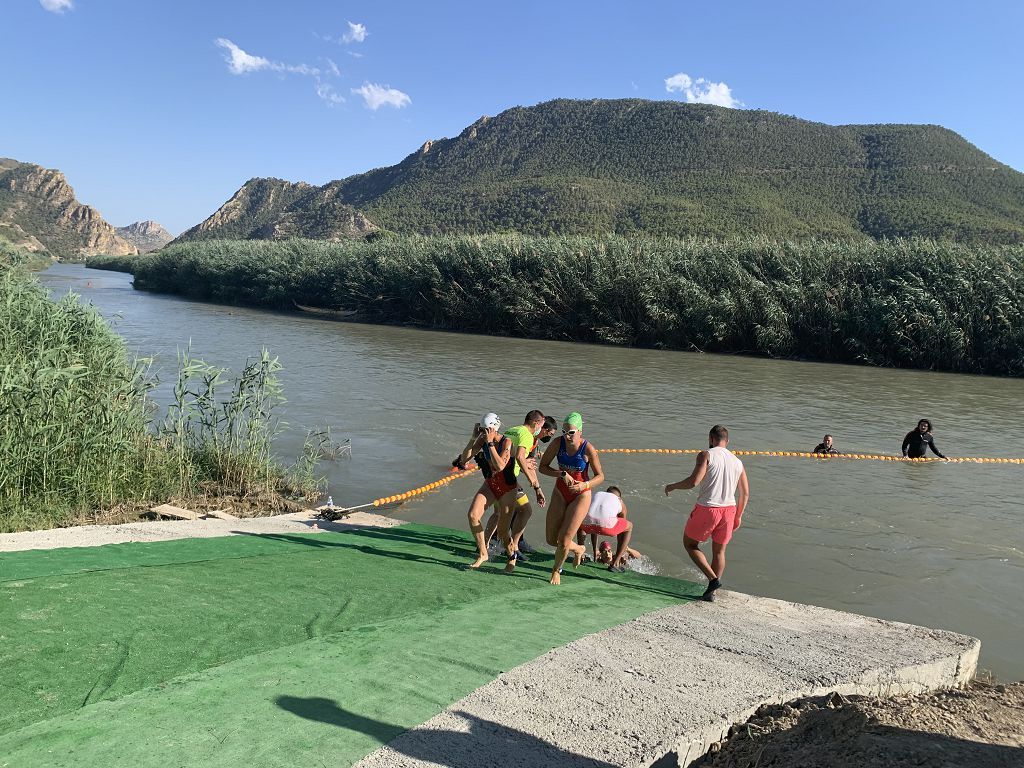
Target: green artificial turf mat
<point x="282" y="649"/>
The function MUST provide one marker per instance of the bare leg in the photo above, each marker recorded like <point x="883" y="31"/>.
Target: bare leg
<point x="483" y="499"/>
<point x="718" y="559"/>
<point x="492" y="526"/>
<point x="623" y="548"/>
<point x="552" y="527"/>
<point x="693" y="550"/>
<point x="574" y="516"/>
<point x="519" y="520"/>
<point x="593" y="545"/>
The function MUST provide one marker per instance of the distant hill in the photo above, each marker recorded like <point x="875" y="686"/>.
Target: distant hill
<point x="659" y="167"/>
<point x="147" y="236"/>
<point x="272" y="209"/>
<point x="39" y="213"/>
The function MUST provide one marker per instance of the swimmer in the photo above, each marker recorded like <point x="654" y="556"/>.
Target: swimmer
<point x="918" y="441"/>
<point x="569" y="504"/>
<point x="604" y="555"/>
<point x="607" y="517"/>
<point x="718" y="512"/>
<point x="825" y="446"/>
<point x="492" y="455"/>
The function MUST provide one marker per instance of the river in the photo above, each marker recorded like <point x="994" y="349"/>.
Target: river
<point x="935" y="544"/>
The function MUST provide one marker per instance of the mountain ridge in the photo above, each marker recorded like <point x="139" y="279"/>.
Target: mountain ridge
<point x="664" y="168"/>
<point x="40" y="213"/>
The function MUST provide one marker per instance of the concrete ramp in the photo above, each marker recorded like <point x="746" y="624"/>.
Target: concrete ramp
<point x="662" y="688"/>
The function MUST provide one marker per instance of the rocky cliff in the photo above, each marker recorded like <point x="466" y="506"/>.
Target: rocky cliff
<point x="147" y="236"/>
<point x="39" y="211"/>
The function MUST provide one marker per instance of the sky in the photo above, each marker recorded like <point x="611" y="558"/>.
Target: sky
<point x="162" y="109"/>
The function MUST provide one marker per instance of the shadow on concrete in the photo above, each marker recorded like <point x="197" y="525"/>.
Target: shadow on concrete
<point x="485" y="744"/>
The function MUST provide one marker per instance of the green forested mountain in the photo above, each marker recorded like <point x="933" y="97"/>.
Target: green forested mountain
<point x="664" y="167"/>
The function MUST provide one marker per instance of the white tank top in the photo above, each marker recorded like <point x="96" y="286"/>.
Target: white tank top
<point x="604" y="509"/>
<point x="718" y="488"/>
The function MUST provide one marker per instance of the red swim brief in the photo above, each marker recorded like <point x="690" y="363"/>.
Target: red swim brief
<point x="715" y="523"/>
<point x="499" y="485"/>
<point x="569" y="495"/>
<point x="620" y="527"/>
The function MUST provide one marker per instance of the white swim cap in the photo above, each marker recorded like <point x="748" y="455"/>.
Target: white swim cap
<point x="491" y="421"/>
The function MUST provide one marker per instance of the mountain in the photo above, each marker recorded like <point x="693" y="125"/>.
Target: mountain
<point x="660" y="167"/>
<point x="272" y="209"/>
<point x="147" y="236"/>
<point x="39" y="212"/>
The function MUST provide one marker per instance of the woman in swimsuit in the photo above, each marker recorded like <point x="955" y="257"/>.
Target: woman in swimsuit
<point x="579" y="468"/>
<point x="492" y="452"/>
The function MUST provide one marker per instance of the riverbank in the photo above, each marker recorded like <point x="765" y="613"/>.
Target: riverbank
<point x="904" y="303"/>
<point x="369" y="642"/>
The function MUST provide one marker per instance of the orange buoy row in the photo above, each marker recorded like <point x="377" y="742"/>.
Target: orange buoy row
<point x="422" y="489"/>
<point x="807" y="455"/>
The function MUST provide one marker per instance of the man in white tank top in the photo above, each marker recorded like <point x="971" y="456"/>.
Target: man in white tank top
<point x="717" y="476"/>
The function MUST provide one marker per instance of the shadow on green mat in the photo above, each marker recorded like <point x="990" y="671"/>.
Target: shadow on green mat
<point x="454" y="749"/>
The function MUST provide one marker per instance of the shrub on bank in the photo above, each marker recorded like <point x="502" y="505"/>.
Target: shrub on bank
<point x="77" y="431"/>
<point x="909" y="303"/>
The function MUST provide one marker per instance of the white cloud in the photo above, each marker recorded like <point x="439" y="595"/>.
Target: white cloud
<point x="241" y="63"/>
<point x="701" y="91"/>
<point x="377" y="96"/>
<point x="356" y="33"/>
<point x="326" y="92"/>
<point x="354" y="54"/>
<point x="333" y="68"/>
<point x="57" y="6"/>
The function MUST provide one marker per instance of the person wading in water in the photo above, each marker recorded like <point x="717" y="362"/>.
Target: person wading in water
<point x="918" y="441"/>
<point x="571" y="500"/>
<point x="717" y="475"/>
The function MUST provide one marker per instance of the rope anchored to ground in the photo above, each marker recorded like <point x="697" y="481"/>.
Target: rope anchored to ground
<point x="457" y="474"/>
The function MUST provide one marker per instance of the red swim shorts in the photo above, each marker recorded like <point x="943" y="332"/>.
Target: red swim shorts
<point x="620" y="527"/>
<point x="499" y="485"/>
<point x="715" y="523"/>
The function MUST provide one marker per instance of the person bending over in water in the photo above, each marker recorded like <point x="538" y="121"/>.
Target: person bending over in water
<point x="493" y="452"/>
<point x="576" y="457"/>
<point x="604" y="554"/>
<point x="607" y="517"/>
<point x="825" y="446"/>
<point x="918" y="441"/>
<point x="718" y="512"/>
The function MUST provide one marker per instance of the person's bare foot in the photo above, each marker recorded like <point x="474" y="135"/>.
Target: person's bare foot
<point x="556" y="578"/>
<point x="510" y="566"/>
<point x="479" y="561"/>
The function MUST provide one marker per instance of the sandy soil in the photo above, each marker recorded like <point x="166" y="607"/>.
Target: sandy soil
<point x="980" y="727"/>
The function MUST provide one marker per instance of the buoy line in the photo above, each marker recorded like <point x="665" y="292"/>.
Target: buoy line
<point x="456" y="475"/>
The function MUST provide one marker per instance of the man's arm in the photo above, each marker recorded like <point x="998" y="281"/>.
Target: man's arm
<point x="471" y="447"/>
<point x="934" y="449"/>
<point x="527" y="465"/>
<point x="699" y="470"/>
<point x="906" y="442"/>
<point x="623" y="512"/>
<point x="742" y="496"/>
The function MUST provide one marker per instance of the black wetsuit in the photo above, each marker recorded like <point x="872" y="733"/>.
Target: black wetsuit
<point x="917" y="443"/>
<point x="820" y="448"/>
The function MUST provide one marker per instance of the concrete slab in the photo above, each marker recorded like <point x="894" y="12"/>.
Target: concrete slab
<point x="165" y="530"/>
<point x="661" y="689"/>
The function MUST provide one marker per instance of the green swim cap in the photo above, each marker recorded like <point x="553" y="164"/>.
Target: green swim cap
<point x="574" y="420"/>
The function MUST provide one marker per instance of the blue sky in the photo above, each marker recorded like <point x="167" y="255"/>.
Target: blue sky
<point x="151" y="117"/>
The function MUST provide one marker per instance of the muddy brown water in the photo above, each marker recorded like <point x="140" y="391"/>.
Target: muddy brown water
<point x="937" y="544"/>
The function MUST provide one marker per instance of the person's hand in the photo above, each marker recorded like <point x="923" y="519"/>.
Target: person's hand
<point x="541" y="498"/>
<point x="477" y="429"/>
<point x="490" y="433"/>
<point x="669" y="488"/>
<point x="531" y="463"/>
<point x="738" y="522"/>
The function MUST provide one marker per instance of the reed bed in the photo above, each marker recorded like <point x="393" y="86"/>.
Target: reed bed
<point x="907" y="303"/>
<point x="79" y="433"/>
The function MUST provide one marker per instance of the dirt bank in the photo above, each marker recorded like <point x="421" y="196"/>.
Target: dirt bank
<point x="980" y="727"/>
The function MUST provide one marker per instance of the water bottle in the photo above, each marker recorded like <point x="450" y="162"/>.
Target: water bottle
<point x="330" y="502"/>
